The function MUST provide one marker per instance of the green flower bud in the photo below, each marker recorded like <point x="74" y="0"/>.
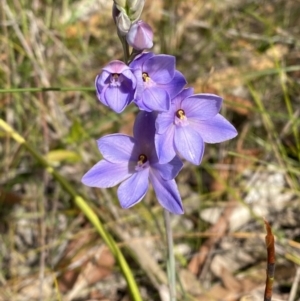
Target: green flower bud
<point x="120" y="3"/>
<point x="135" y="9"/>
<point x="132" y="8"/>
<point x="122" y="21"/>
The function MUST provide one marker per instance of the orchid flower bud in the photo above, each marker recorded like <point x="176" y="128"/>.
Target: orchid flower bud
<point x="121" y="19"/>
<point x="120" y="3"/>
<point x="132" y="8"/>
<point x="135" y="9"/>
<point x="140" y="36"/>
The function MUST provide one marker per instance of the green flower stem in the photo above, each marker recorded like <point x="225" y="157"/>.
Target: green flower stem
<point x="171" y="258"/>
<point x="46" y="89"/>
<point x="125" y="47"/>
<point x="84" y="207"/>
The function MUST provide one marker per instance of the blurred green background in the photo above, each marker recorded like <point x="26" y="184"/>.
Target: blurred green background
<point x="248" y="52"/>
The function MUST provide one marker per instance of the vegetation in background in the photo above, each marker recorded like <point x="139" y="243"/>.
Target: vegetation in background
<point x="50" y="53"/>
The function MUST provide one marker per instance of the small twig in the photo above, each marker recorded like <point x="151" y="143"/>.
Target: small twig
<point x="270" y="262"/>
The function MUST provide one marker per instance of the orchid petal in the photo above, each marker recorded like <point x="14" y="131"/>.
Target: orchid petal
<point x="202" y="106"/>
<point x="156" y="99"/>
<point x="101" y="95"/>
<point x="130" y="81"/>
<point x="139" y="60"/>
<point x="133" y="189"/>
<point x="175" y="85"/>
<point x="177" y="100"/>
<point x="161" y="68"/>
<point x="164" y="120"/>
<point x="102" y="79"/>
<point x="170" y="170"/>
<point x="139" y="83"/>
<point x="115" y="99"/>
<point x="116" y="67"/>
<point x="214" y="130"/>
<point x="116" y="148"/>
<point x="105" y="174"/>
<point x="189" y="144"/>
<point x="167" y="193"/>
<point x="164" y="145"/>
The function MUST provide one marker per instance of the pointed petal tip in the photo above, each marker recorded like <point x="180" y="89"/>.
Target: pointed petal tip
<point x="85" y="181"/>
<point x="177" y="211"/>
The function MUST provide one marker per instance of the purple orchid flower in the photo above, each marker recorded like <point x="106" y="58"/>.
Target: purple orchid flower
<point x="133" y="161"/>
<point x="191" y="121"/>
<point x="115" y="86"/>
<point x="140" y="36"/>
<point x="157" y="81"/>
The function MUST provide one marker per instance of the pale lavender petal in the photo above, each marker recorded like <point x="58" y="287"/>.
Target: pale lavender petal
<point x="101" y="95"/>
<point x="202" y="106"/>
<point x="116" y="148"/>
<point x="139" y="86"/>
<point x="130" y="80"/>
<point x="214" y="130"/>
<point x="170" y="170"/>
<point x="102" y="79"/>
<point x="133" y="189"/>
<point x="141" y="105"/>
<point x="164" y="145"/>
<point x="167" y="193"/>
<point x="156" y="99"/>
<point x="189" y="144"/>
<point x="116" y="99"/>
<point x="161" y="68"/>
<point x="175" y="85"/>
<point x="116" y="67"/>
<point x="177" y="100"/>
<point x="106" y="174"/>
<point x="139" y="60"/>
<point x="164" y="120"/>
<point x="101" y="86"/>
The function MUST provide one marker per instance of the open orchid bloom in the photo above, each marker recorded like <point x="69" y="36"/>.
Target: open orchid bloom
<point x="132" y="161"/>
<point x="157" y="81"/>
<point x="115" y="86"/>
<point x="191" y="121"/>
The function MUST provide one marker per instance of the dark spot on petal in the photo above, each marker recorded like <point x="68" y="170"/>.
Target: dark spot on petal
<point x="145" y="77"/>
<point x="142" y="159"/>
<point x="114" y="77"/>
<point x="180" y="114"/>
